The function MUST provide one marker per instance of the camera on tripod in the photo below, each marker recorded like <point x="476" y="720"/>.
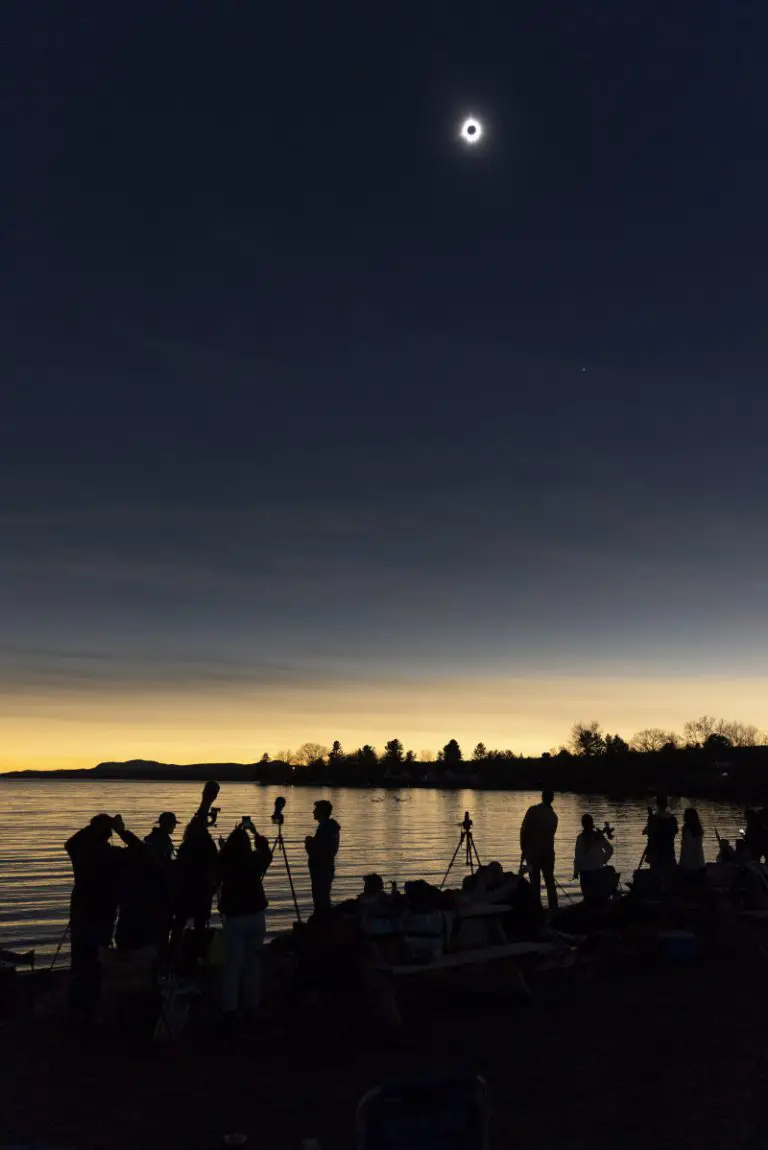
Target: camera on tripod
<point x="213" y="814"/>
<point x="467" y="843"/>
<point x="607" y="830"/>
<point x="277" y="814"/>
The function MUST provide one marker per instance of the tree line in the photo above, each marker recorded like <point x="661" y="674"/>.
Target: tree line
<point x="710" y="757"/>
<point x="587" y="741"/>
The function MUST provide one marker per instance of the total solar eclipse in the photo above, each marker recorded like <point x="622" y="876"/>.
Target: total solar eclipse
<point x="471" y="131"/>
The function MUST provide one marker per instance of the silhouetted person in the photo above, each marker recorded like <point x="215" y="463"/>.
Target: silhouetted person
<point x="160" y="843"/>
<point x="197" y="862"/>
<point x="97" y="865"/>
<point x="692" y="859"/>
<point x="741" y="853"/>
<point x="159" y="839"/>
<point x="322" y="848"/>
<point x="491" y="884"/>
<point x="375" y="899"/>
<point x="537" y="843"/>
<point x="591" y="857"/>
<point x="725" y="852"/>
<point x="373" y="885"/>
<point x="143" y="903"/>
<point x="661" y="831"/>
<point x="242" y="903"/>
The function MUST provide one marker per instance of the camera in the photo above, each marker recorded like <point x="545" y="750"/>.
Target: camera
<point x="466" y="823"/>
<point x="213" y="814"/>
<point x="277" y="814"/>
<point x="607" y="830"/>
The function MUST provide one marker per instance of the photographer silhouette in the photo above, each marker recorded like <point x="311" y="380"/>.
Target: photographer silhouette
<point x="590" y="864"/>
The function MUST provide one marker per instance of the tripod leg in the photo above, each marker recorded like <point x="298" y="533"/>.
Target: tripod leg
<point x="453" y="860"/>
<point x="281" y="845"/>
<point x="58" y="948"/>
<point x="477" y="856"/>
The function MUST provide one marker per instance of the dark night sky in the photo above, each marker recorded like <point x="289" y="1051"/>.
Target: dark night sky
<point x="315" y="421"/>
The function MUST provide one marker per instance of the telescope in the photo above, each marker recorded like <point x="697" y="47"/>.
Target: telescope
<point x="279" y="845"/>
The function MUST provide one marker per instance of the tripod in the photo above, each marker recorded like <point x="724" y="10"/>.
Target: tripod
<point x="61" y="943"/>
<point x="279" y="845"/>
<point x="466" y="840"/>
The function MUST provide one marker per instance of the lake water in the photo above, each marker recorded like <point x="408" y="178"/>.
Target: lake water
<point x="401" y="834"/>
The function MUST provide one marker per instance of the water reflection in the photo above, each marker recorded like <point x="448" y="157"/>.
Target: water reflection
<point x="411" y="838"/>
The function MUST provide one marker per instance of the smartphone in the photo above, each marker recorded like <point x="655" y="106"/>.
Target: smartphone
<point x="450" y="1112"/>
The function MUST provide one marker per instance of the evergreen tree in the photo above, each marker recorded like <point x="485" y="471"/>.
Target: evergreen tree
<point x="451" y="755"/>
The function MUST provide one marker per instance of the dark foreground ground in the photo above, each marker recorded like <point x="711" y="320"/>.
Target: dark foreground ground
<point x="657" y="1055"/>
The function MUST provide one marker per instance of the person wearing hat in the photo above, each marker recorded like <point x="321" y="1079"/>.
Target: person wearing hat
<point x="322" y="848"/>
<point x="159" y="838"/>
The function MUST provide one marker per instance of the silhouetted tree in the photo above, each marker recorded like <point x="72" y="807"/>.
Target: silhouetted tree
<point x="718" y="744"/>
<point x="451" y="754"/>
<point x="426" y="756"/>
<point x="480" y="752"/>
<point x="410" y="758"/>
<point x="738" y="734"/>
<point x="367" y="757"/>
<point x="697" y="731"/>
<point x="652" y="739"/>
<point x="309" y="753"/>
<point x="393" y="753"/>
<point x="336" y="754"/>
<point x="286" y="756"/>
<point x="264" y="759"/>
<point x="587" y="739"/>
<point x="616" y="747"/>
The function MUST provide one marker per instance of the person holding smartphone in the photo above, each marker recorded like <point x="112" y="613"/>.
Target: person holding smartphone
<point x="242" y="903"/>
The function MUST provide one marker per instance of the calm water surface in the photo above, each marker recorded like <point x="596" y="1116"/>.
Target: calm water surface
<point x="401" y="834"/>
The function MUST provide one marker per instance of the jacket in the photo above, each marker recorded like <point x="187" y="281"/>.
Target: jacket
<point x="323" y="847"/>
<point x="537" y="834"/>
<point x="98" y="867"/>
<point x="242" y="891"/>
<point x="592" y="852"/>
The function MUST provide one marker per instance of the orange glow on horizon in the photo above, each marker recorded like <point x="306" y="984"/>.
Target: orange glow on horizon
<point x="527" y="716"/>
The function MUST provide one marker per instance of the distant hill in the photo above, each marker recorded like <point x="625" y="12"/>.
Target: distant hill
<point x="727" y="773"/>
<point x="148" y="769"/>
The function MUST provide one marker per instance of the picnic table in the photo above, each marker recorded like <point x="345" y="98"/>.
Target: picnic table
<point x="474" y="957"/>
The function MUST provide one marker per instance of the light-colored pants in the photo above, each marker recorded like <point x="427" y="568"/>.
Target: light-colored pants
<point x="243" y="938"/>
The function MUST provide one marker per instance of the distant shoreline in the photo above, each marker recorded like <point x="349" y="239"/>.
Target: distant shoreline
<point x="744" y="777"/>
